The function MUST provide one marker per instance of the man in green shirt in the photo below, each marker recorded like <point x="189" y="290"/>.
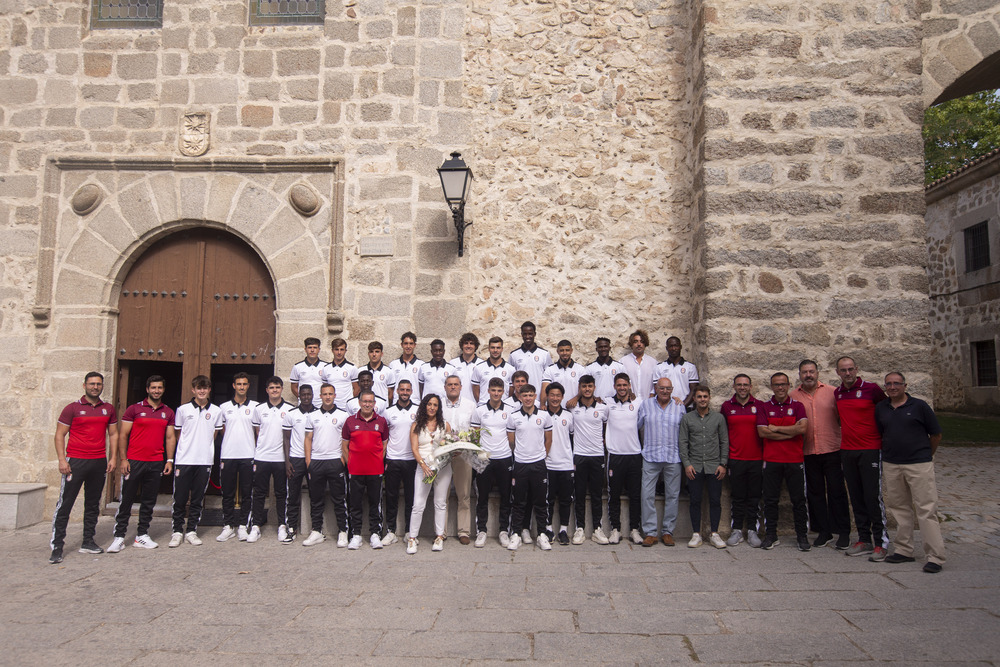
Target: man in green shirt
<point x="704" y="450"/>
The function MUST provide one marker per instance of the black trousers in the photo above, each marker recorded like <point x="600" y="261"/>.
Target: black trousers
<point x="322" y="475"/>
<point x="87" y="474"/>
<point x="591" y="478"/>
<point x="143" y="481"/>
<point x="190" y="483"/>
<point x="399" y="472"/>
<point x="498" y="475"/>
<point x="236" y="474"/>
<point x="293" y="484"/>
<point x="561" y="487"/>
<point x="695" y="491"/>
<point x="863" y="474"/>
<point x="362" y="487"/>
<point x="263" y="473"/>
<point x="826" y="493"/>
<point x="625" y="473"/>
<point x="793" y="475"/>
<point x="745" y="488"/>
<point x="529" y="486"/>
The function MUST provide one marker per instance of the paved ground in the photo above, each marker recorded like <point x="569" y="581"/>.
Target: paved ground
<point x="268" y="603"/>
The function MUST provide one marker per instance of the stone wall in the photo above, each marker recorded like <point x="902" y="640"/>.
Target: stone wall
<point x="812" y="242"/>
<point x="965" y="305"/>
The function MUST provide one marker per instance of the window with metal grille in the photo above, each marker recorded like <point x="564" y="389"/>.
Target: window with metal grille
<point x="126" y="14"/>
<point x="287" y="12"/>
<point x="977" y="247"/>
<point x="984" y="363"/>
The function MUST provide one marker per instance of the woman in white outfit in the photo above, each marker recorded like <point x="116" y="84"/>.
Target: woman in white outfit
<point x="427" y="432"/>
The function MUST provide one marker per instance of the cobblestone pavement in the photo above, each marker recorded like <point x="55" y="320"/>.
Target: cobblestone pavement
<point x="267" y="603"/>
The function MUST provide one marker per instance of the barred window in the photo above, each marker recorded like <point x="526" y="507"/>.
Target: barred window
<point x="977" y="247"/>
<point x="126" y="14"/>
<point x="287" y="12"/>
<point x="984" y="363"/>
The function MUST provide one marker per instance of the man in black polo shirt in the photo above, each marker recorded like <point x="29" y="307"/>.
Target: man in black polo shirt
<point x="910" y="436"/>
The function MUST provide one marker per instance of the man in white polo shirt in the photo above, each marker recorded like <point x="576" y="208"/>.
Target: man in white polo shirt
<point x="529" y="432"/>
<point x="531" y="358"/>
<point x="339" y="373"/>
<point x="682" y="373"/>
<point x="491" y="418"/>
<point x="293" y="434"/>
<point x="365" y="381"/>
<point x="466" y="364"/>
<point x="434" y="372"/>
<point x="559" y="465"/>
<point x="269" y="459"/>
<point x="407" y="365"/>
<point x="196" y="421"/>
<point x="383" y="378"/>
<point x="309" y="371"/>
<point x="236" y="459"/>
<point x="624" y="461"/>
<point x="324" y="461"/>
<point x="604" y="369"/>
<point x="493" y="367"/>
<point x="400" y="466"/>
<point x="589" y="420"/>
<point x="565" y="371"/>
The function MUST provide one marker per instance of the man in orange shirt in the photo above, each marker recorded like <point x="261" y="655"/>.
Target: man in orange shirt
<point x="825" y="490"/>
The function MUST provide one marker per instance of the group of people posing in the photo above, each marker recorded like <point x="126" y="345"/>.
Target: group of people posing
<point x="555" y="431"/>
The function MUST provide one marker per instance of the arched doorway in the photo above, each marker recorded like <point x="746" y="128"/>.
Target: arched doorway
<point x="197" y="302"/>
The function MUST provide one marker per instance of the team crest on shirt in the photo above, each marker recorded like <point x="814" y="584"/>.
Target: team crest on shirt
<point x="683" y="370"/>
<point x="536" y="357"/>
<point x="790" y="412"/>
<point x="631" y="406"/>
<point x="572" y="374"/>
<point x="503" y="415"/>
<point x="345" y="374"/>
<point x="208" y="416"/>
<point x="753" y="409"/>
<point x="104" y="411"/>
<point x="596" y="414"/>
<point x="247" y="411"/>
<point x="858" y="394"/>
<point x="538" y="421"/>
<point x="564" y="422"/>
<point x="503" y="374"/>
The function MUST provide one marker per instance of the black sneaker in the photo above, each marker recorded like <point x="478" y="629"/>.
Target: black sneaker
<point x="90" y="547"/>
<point x="803" y="543"/>
<point x="563" y="537"/>
<point x="56" y="556"/>
<point x="931" y="568"/>
<point x="822" y="540"/>
<point x="769" y="542"/>
<point x="899" y="558"/>
<point x="844" y="542"/>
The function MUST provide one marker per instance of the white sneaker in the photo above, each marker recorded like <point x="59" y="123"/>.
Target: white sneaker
<point x="175" y="540"/>
<point x="599" y="536"/>
<point x="117" y="545"/>
<point x="438" y="544"/>
<point x="254" y="534"/>
<point x="144" y="542"/>
<point x="716" y="541"/>
<point x="526" y="536"/>
<point x="615" y="537"/>
<point x="543" y="542"/>
<point x="480" y="540"/>
<point x="375" y="541"/>
<point x="241" y="532"/>
<point x="192" y="538"/>
<point x="504" y="539"/>
<point x="515" y="542"/>
<point x="283" y="534"/>
<point x="227" y="534"/>
<point x="390" y="538"/>
<point x="315" y="537"/>
<point x="735" y="538"/>
<point x="341" y="540"/>
<point x="411" y="545"/>
<point x="695" y="541"/>
<point x="578" y="536"/>
<point x="753" y="539"/>
<point x="635" y="536"/>
<point x="355" y="542"/>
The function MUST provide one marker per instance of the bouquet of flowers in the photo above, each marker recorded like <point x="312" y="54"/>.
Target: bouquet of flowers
<point x="464" y="444"/>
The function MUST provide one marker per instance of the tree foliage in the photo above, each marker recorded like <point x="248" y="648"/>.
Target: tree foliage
<point x="960" y="130"/>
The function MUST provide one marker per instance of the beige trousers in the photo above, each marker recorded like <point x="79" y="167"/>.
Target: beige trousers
<point x="910" y="491"/>
<point x="461" y="475"/>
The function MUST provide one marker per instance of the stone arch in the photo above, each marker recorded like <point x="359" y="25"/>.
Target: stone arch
<point x="961" y="49"/>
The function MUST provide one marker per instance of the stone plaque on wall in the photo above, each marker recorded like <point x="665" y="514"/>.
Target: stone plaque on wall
<point x="376" y="246"/>
<point x="194" y="134"/>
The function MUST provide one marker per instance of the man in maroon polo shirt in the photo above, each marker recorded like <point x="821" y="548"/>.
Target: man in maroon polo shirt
<point x="141" y="441"/>
<point x="364" y="440"/>
<point x="861" y="458"/>
<point x="781" y="424"/>
<point x="84" y="462"/>
<point x="746" y="456"/>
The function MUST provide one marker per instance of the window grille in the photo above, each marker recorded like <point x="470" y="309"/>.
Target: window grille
<point x="126" y="14"/>
<point x="977" y="247"/>
<point x="287" y="12"/>
<point x="984" y="363"/>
